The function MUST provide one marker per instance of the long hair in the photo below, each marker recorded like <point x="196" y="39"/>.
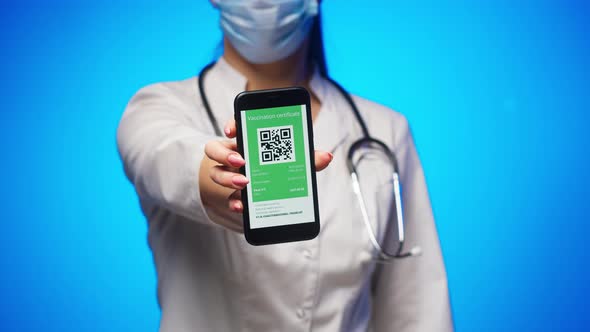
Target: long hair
<point x="316" y="54"/>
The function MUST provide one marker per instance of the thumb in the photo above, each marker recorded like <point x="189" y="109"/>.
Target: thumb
<point x="322" y="160"/>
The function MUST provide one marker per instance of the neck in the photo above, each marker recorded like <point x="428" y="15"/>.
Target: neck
<point x="293" y="70"/>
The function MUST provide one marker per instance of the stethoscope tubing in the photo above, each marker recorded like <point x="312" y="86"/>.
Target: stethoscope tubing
<point x="366" y="140"/>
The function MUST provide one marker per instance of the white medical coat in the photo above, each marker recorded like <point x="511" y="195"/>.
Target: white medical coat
<point x="211" y="279"/>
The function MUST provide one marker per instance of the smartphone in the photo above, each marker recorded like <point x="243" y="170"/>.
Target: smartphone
<point x="275" y="136"/>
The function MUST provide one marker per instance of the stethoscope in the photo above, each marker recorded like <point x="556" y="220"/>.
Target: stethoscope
<point x="365" y="141"/>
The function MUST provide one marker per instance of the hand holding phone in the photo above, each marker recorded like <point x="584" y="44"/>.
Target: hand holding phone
<point x="220" y="182"/>
<point x="275" y="136"/>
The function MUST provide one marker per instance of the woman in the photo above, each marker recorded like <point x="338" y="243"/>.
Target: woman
<point x="209" y="277"/>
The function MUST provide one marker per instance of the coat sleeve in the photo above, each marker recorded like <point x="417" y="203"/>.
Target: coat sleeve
<point x="161" y="149"/>
<point x="411" y="294"/>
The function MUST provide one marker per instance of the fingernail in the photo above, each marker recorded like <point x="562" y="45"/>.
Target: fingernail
<point x="331" y="156"/>
<point x="239" y="180"/>
<point x="235" y="159"/>
<point x="227" y="131"/>
<point x="237" y="206"/>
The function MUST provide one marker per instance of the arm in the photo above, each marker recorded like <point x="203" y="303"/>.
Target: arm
<point x="162" y="151"/>
<point x="175" y="165"/>
<point x="411" y="294"/>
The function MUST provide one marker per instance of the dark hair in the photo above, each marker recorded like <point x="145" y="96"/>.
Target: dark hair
<point x="316" y="53"/>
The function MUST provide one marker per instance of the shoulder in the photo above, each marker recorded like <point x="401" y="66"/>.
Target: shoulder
<point x="158" y="103"/>
<point x="180" y="93"/>
<point x="383" y="122"/>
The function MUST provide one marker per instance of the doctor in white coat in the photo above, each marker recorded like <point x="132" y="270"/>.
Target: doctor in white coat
<point x="209" y="277"/>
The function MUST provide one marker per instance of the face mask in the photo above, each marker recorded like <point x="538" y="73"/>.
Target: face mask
<point x="265" y="31"/>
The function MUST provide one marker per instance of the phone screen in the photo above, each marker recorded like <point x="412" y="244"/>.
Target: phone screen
<point x="276" y="149"/>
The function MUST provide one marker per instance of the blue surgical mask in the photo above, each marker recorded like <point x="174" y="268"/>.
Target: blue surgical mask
<point x="265" y="31"/>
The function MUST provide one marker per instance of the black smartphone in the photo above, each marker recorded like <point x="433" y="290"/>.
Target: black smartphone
<point x="275" y="136"/>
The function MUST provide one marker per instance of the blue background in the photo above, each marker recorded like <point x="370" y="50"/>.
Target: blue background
<point x="496" y="92"/>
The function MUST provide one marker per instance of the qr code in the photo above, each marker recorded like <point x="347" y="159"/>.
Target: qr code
<point x="276" y="145"/>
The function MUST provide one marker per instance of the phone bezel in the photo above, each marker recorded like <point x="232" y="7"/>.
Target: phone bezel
<point x="253" y="100"/>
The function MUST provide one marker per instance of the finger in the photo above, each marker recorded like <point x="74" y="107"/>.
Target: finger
<point x="236" y="195"/>
<point x="224" y="176"/>
<point x="224" y="153"/>
<point x="235" y="202"/>
<point x="230" y="128"/>
<point x="235" y="205"/>
<point x="322" y="160"/>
